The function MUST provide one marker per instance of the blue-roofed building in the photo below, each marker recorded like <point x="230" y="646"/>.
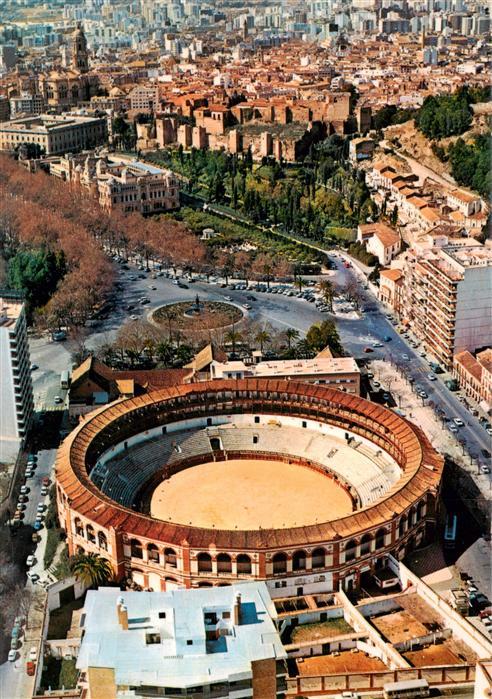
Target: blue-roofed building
<point x="205" y="642"/>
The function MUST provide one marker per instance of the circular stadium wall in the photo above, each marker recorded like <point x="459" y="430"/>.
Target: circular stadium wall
<point x="206" y="484"/>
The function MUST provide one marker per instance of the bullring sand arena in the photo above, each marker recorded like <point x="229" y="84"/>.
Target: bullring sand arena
<point x="249" y="494"/>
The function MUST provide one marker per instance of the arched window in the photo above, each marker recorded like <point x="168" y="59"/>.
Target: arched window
<point x="204" y="563"/>
<point x="299" y="560"/>
<point x="380" y="535"/>
<point x="402" y="526"/>
<point x="243" y="564"/>
<point x="170" y="558"/>
<point x="350" y="550"/>
<point x="80" y="550"/>
<point x="153" y="553"/>
<point x="224" y="564"/>
<point x="102" y="541"/>
<point x="365" y="544"/>
<point x="420" y="510"/>
<point x="79" y="529"/>
<point x="318" y="558"/>
<point x="89" y="530"/>
<point x="136" y="548"/>
<point x="412" y="517"/>
<point x="279" y="563"/>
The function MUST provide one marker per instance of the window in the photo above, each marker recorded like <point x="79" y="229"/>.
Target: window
<point x="255" y="439"/>
<point x="162" y="615"/>
<point x="152" y="638"/>
<point x="304" y="423"/>
<point x="189" y="642"/>
<point x="226" y="615"/>
<point x="257" y="419"/>
<point x="279" y="563"/>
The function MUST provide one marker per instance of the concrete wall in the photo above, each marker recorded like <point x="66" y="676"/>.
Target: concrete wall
<point x="388" y="654"/>
<point x="461" y="628"/>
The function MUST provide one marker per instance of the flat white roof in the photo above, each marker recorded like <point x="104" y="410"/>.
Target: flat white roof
<point x="182" y="657"/>
<point x="290" y="367"/>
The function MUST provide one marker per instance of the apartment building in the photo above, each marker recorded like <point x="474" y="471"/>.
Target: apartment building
<point x="144" y="99"/>
<point x="26" y="103"/>
<point x="390" y="288"/>
<point x="474" y="375"/>
<point x="16" y="398"/>
<point x="54" y="133"/>
<point x="447" y="297"/>
<point x="210" y="642"/>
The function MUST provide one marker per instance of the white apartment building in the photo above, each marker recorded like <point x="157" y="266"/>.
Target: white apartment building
<point x="210" y="642"/>
<point x="16" y="399"/>
<point x="26" y="103"/>
<point x="447" y="298"/>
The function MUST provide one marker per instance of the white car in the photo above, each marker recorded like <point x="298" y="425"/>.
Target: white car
<point x="30" y="561"/>
<point x="458" y="422"/>
<point x="12" y="656"/>
<point x="44" y="490"/>
<point x="33" y="654"/>
<point x="24" y="490"/>
<point x="40" y="507"/>
<point x="484" y="469"/>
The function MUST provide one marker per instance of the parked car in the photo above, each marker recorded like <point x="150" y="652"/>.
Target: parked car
<point x="46" y="480"/>
<point x="12" y="656"/>
<point x="458" y="422"/>
<point x="24" y="490"/>
<point x="30" y="560"/>
<point x="30" y="668"/>
<point x="58" y="336"/>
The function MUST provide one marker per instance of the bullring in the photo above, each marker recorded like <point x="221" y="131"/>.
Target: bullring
<point x="367" y="485"/>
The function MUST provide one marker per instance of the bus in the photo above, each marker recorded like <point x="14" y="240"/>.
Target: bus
<point x="65" y="379"/>
<point x="450" y="531"/>
<point x="406" y="689"/>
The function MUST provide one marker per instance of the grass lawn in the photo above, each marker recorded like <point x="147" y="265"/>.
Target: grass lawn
<point x="323" y="629"/>
<point x="61" y="619"/>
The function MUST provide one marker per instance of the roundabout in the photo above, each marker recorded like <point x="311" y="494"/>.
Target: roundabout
<point x="197" y="314"/>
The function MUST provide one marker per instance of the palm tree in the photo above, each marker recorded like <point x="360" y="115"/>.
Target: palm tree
<point x="327" y="291"/>
<point x="268" y="271"/>
<point x="291" y="334"/>
<point x="262" y="337"/>
<point x="170" y="315"/>
<point x="165" y="352"/>
<point x="233" y="336"/>
<point x="91" y="568"/>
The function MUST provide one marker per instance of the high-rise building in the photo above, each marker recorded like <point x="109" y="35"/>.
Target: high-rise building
<point x="447" y="298"/>
<point x="16" y="399"/>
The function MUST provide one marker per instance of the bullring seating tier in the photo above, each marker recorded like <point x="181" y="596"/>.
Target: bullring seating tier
<point x="370" y="473"/>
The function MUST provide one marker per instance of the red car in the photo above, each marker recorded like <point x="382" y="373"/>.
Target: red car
<point x="30" y="668"/>
<point x="368" y="349"/>
<point x="46" y="480"/>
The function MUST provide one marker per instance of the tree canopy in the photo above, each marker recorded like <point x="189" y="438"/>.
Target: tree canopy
<point x="470" y="163"/>
<point x="445" y="115"/>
